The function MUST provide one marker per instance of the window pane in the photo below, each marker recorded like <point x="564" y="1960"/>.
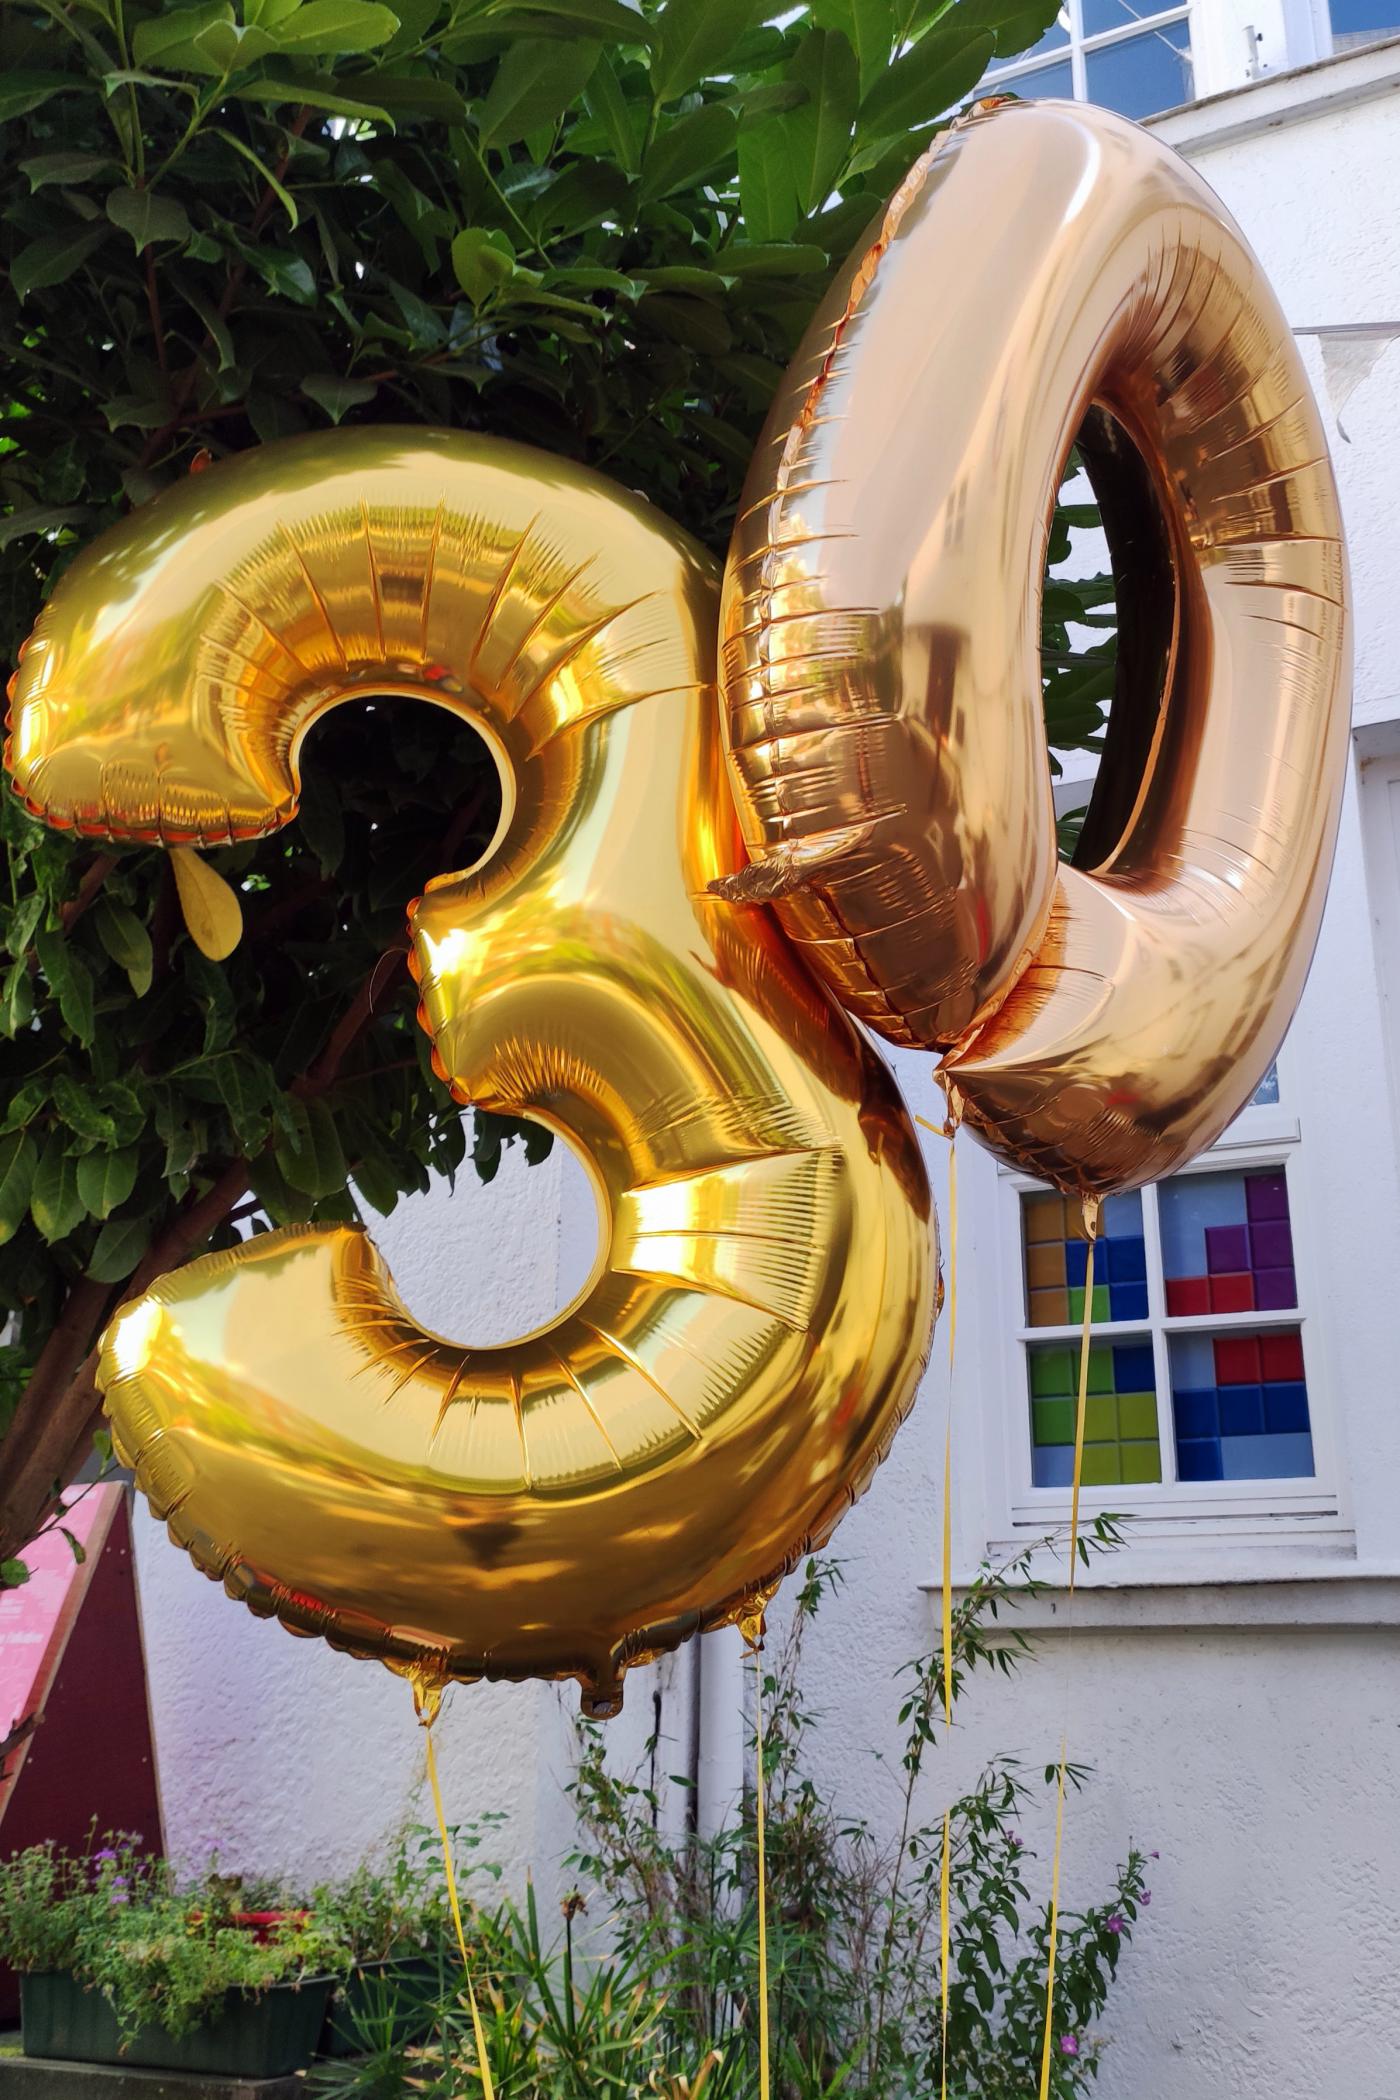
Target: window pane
<point x="1118" y="14"/>
<point x="1054" y="82"/>
<point x="1357" y="22"/>
<point x="1227" y="1245"/>
<point x="1120" y="1413"/>
<point x="1056" y="1260"/>
<point x="1265" y="1095"/>
<point x="1143" y="75"/>
<point x="1240" y="1406"/>
<point x="1055" y="38"/>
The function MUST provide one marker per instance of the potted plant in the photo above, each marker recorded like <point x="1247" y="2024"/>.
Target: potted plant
<point x="118" y="1964"/>
<point x="393" y="1929"/>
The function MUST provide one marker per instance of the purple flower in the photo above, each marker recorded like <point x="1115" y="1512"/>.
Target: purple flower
<point x="117" y="1892"/>
<point x="1114" y="1924"/>
<point x="1068" y="2045"/>
<point x="101" y="1858"/>
<point x="1154" y="1855"/>
<point x="1014" y="1842"/>
<point x="1145" y="1897"/>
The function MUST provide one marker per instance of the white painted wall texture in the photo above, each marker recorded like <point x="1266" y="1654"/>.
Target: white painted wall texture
<point x="1238" y="1694"/>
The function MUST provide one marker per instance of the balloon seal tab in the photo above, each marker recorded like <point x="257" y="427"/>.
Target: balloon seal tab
<point x="1092" y="1209"/>
<point x="427" y="1684"/>
<point x="751" y="1622"/>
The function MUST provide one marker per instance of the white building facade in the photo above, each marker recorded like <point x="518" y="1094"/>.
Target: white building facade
<point x="1233" y="1676"/>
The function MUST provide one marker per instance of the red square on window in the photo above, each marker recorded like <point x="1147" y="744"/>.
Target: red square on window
<point x="1237" y="1359"/>
<point x="1232" y="1294"/>
<point x="1188" y="1294"/>
<point x="1281" y="1355"/>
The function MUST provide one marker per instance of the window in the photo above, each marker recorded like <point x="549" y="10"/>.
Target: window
<point x="1198" y="1389"/>
<point x="1358" y="22"/>
<point x="1132" y="58"/>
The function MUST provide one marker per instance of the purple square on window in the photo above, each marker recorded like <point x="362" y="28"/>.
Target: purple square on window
<point x="1271" y="1244"/>
<point x="1227" y="1249"/>
<point x="1274" y="1289"/>
<point x="1266" y="1196"/>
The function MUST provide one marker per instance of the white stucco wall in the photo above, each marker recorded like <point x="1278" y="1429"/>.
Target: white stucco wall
<point x="1239" y="1697"/>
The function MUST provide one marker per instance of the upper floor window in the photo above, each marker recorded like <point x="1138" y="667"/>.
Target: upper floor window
<point x="1135" y="58"/>
<point x="1358" y="22"/>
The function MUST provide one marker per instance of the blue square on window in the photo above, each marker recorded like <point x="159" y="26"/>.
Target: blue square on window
<point x="1241" y="1410"/>
<point x="1127" y="1301"/>
<point x="1134" y="1370"/>
<point x="1076" y="1263"/>
<point x="1127" y="1261"/>
<point x="1286" y="1408"/>
<point x="1199" y="1459"/>
<point x="1052" y="1465"/>
<point x="1197" y="1414"/>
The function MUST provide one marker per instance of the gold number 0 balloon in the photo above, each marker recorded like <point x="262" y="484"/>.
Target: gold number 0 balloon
<point x="881" y="647"/>
<point x="754" y="1329"/>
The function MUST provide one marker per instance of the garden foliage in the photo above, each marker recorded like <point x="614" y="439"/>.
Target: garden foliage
<point x="598" y="226"/>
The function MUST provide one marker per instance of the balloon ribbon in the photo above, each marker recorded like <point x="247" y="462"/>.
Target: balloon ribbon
<point x="1091" y="1227"/>
<point x="428" y="1706"/>
<point x="761" y="1870"/>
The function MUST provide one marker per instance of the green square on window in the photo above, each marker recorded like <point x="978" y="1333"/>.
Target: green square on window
<point x="1137" y="1414"/>
<point x="1101" y="1466"/>
<point x="1100" y="1370"/>
<point x="1052" y="1421"/>
<point x="1100" y="1419"/>
<point x="1141" y="1462"/>
<point x="1052" y="1373"/>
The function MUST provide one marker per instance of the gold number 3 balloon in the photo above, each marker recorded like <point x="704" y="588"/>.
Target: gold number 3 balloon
<point x="1105" y="1021"/>
<point x="759" y="1313"/>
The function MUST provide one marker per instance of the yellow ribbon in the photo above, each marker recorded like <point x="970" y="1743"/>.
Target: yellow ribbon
<point x="1091" y="1222"/>
<point x="428" y="1711"/>
<point x="762" y="1873"/>
<point x="949" y="1130"/>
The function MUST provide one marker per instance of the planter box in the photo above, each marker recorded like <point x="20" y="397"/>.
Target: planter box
<point x="395" y="1999"/>
<point x="267" y="2035"/>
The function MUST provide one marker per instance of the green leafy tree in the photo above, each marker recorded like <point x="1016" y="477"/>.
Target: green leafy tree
<point x="594" y="225"/>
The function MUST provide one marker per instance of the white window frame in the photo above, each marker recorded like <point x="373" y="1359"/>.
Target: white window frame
<point x="1260" y="1138"/>
<point x="1080" y="48"/>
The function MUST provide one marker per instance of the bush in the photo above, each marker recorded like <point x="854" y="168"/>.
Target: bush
<point x="594" y="226"/>
<point x="657" y="1993"/>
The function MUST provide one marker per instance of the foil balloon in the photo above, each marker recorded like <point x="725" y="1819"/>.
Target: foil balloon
<point x="651" y="1461"/>
<point x="1046" y="270"/>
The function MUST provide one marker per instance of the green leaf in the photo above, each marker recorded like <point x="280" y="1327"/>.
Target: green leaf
<point x="21" y="91"/>
<point x="767" y="186"/>
<point x="81" y="1109"/>
<point x="819" y="132"/>
<point x="126" y="941"/>
<point x="416" y="95"/>
<point x="535" y="82"/>
<point x="283" y="197"/>
<point x="688" y="149"/>
<point x="335" y="28"/>
<point x="53" y="259"/>
<point x="147" y="217"/>
<point x="76" y="1546"/>
<point x="55" y="1203"/>
<point x="310" y="1157"/>
<point x="745" y="259"/>
<point x="70" y="981"/>
<point x="1016" y="24"/>
<point x="623" y="121"/>
<point x="868" y="26"/>
<point x="25" y="1102"/>
<point x="612" y="19"/>
<point x="946" y="65"/>
<point x="167" y="37"/>
<point x="481" y="261"/>
<point x="271" y="93"/>
<point x="13" y="1574"/>
<point x="40" y="517"/>
<point x="335" y="395"/>
<point x="19" y="1156"/>
<point x="44" y="168"/>
<point x="696" y="41"/>
<point x="120" y="1245"/>
<point x="106" y="1179"/>
<point x="16" y="998"/>
<point x="244" y="1087"/>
